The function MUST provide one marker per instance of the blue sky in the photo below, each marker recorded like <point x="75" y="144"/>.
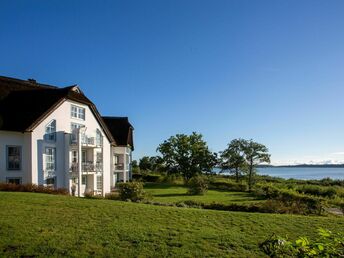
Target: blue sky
<point x="267" y="70"/>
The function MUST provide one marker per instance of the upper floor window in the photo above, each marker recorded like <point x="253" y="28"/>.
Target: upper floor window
<point x="50" y="131"/>
<point x="98" y="138"/>
<point x="77" y="112"/>
<point x="13" y="157"/>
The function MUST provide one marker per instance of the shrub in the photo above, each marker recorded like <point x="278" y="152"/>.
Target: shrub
<point x="228" y="186"/>
<point x="132" y="191"/>
<point x="197" y="185"/>
<point x="112" y="196"/>
<point x="32" y="188"/>
<point x="327" y="244"/>
<point x="152" y="178"/>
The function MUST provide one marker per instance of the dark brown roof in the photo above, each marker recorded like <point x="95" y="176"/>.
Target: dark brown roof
<point x="23" y="104"/>
<point x="121" y="130"/>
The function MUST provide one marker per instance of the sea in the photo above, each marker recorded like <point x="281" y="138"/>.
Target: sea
<point x="302" y="172"/>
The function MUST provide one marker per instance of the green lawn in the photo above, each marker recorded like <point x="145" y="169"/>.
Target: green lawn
<point x="174" y="193"/>
<point x="47" y="225"/>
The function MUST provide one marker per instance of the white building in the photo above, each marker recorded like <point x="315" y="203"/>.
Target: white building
<point x="55" y="136"/>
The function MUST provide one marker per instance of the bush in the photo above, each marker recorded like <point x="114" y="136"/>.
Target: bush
<point x="152" y="178"/>
<point x="228" y="186"/>
<point x="327" y="244"/>
<point x="112" y="196"/>
<point x="32" y="188"/>
<point x="197" y="185"/>
<point x="132" y="191"/>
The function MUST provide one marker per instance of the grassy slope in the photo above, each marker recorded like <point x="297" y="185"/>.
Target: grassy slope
<point x="175" y="193"/>
<point x="48" y="225"/>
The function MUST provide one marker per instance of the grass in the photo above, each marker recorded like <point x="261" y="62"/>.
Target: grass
<point x="47" y="225"/>
<point x="168" y="193"/>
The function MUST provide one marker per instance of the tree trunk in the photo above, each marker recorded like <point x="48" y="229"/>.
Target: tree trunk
<point x="250" y="176"/>
<point x="237" y="174"/>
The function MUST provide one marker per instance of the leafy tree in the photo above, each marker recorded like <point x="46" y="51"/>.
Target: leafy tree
<point x="254" y="153"/>
<point x="145" y="163"/>
<point x="187" y="155"/>
<point x="135" y="167"/>
<point x="232" y="158"/>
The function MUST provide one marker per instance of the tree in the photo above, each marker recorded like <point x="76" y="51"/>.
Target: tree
<point x="187" y="155"/>
<point x="135" y="167"/>
<point x="232" y="158"/>
<point x="254" y="153"/>
<point x="145" y="163"/>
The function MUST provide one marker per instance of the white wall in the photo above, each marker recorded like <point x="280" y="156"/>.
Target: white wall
<point x="63" y="118"/>
<point x="18" y="139"/>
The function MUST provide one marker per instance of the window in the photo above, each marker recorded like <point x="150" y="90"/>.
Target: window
<point x="77" y="112"/>
<point x="50" y="181"/>
<point x="50" y="159"/>
<point x="74" y="156"/>
<point x="13" y="157"/>
<point x="84" y="180"/>
<point x="99" y="183"/>
<point x="13" y="180"/>
<point x="98" y="138"/>
<point x="50" y="131"/>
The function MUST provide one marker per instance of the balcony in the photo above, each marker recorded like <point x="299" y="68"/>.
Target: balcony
<point x="86" y="141"/>
<point x="119" y="166"/>
<point x="88" y="166"/>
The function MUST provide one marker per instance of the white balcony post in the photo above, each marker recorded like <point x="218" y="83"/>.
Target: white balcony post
<point x="125" y="167"/>
<point x="80" y="131"/>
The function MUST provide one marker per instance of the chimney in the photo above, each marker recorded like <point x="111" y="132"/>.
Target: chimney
<point x="33" y="81"/>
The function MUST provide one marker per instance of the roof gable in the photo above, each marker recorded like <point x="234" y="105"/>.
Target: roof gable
<point x="24" y="104"/>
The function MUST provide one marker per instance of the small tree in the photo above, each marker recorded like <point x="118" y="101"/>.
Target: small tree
<point x="145" y="163"/>
<point x="187" y="155"/>
<point x="254" y="153"/>
<point x="232" y="158"/>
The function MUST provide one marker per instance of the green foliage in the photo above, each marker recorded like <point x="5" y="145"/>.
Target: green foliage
<point x="187" y="155"/>
<point x="228" y="185"/>
<point x="197" y="185"/>
<point x="232" y="158"/>
<point x="112" y="196"/>
<point x="132" y="191"/>
<point x="289" y="201"/>
<point x="329" y="192"/>
<point x="328" y="244"/>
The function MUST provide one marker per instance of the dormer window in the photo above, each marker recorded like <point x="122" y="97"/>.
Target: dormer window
<point x="50" y="131"/>
<point x="77" y="112"/>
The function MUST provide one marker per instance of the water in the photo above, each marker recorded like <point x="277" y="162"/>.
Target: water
<point x="303" y="172"/>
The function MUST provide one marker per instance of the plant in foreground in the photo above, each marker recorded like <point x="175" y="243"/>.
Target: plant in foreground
<point x="327" y="245"/>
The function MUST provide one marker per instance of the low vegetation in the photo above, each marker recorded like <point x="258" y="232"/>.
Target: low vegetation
<point x="41" y="225"/>
<point x="31" y="188"/>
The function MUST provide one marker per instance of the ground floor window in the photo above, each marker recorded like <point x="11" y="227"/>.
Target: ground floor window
<point x="99" y="182"/>
<point x="84" y="180"/>
<point x="14" y="180"/>
<point x="50" y="181"/>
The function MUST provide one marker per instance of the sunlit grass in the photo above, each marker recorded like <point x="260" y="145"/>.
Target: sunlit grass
<point x="47" y="225"/>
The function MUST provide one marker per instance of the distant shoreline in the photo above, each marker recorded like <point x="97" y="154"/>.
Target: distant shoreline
<point x="303" y="166"/>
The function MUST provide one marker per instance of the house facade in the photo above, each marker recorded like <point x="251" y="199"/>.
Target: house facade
<point x="56" y="137"/>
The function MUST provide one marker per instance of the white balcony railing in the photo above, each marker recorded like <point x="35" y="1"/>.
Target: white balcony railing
<point x="119" y="166"/>
<point x="88" y="166"/>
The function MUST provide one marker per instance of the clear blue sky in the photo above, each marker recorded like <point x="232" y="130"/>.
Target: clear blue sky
<point x="268" y="70"/>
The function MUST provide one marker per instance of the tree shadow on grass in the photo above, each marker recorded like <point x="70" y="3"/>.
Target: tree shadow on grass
<point x="171" y="195"/>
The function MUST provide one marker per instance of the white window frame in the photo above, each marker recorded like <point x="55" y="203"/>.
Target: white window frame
<point x="8" y="157"/>
<point x="50" y="159"/>
<point x="78" y="112"/>
<point x="50" y="130"/>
